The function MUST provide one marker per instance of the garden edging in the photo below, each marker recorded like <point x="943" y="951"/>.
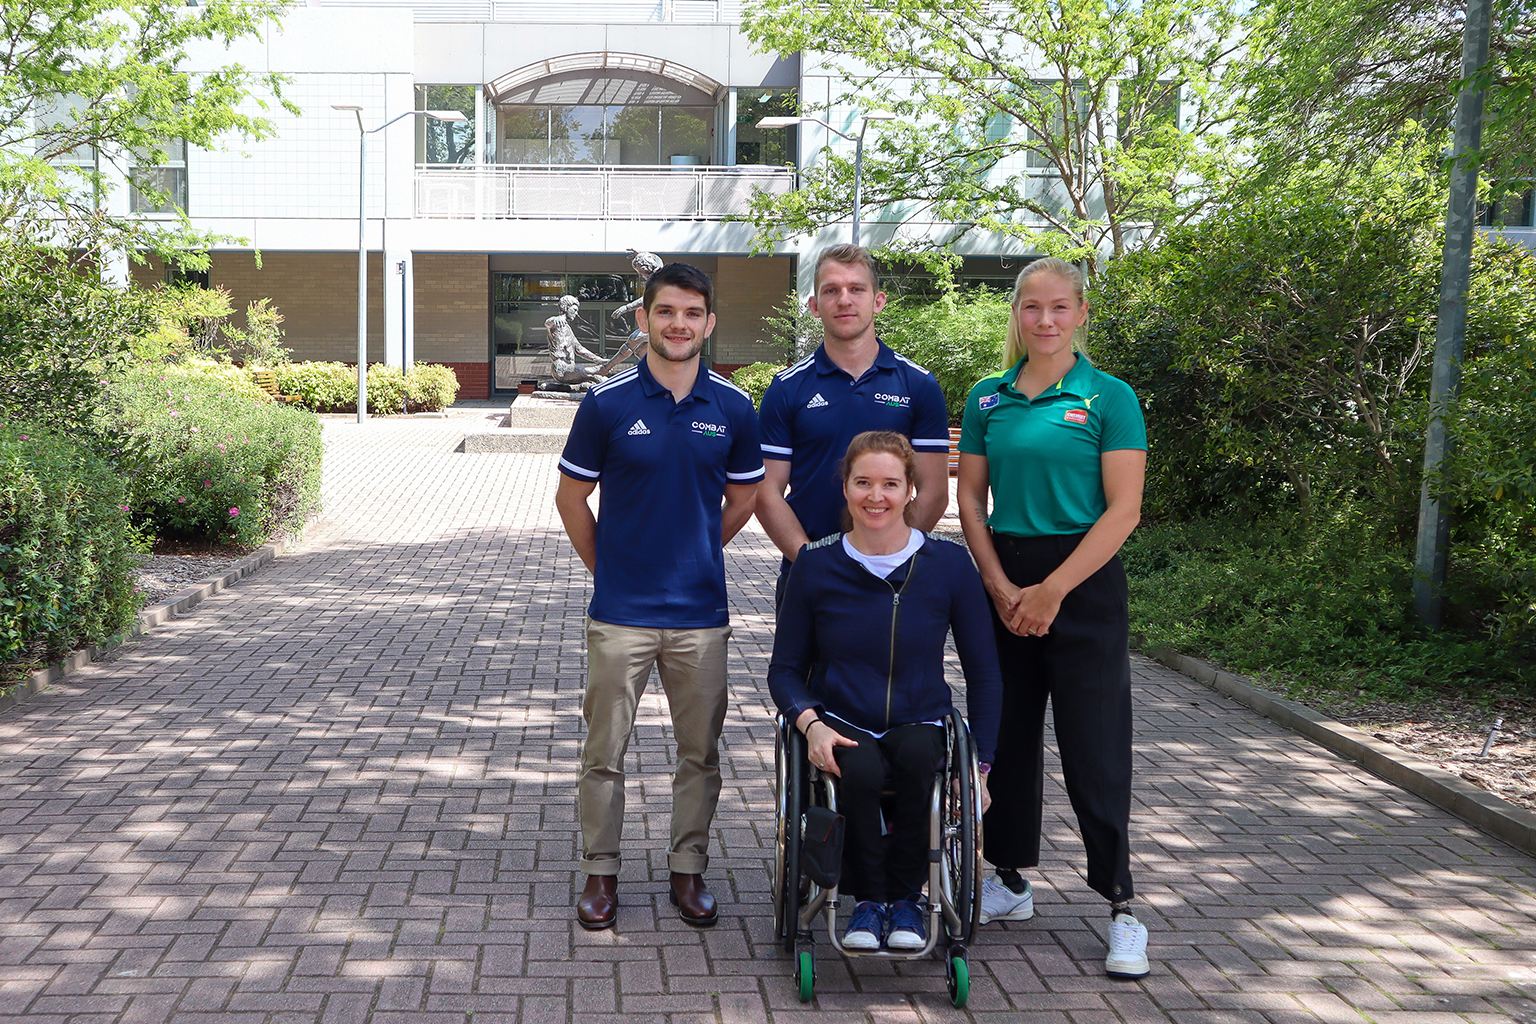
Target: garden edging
<point x="150" y="617"/>
<point x="1477" y="807"/>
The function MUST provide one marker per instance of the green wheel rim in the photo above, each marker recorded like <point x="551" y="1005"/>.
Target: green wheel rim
<point x="807" y="974"/>
<point x="960" y="985"/>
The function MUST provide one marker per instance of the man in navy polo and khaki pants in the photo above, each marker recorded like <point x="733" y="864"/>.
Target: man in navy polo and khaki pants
<point x="852" y="383"/>
<point x="670" y="441"/>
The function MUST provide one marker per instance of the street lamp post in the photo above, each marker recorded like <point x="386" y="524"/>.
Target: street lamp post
<point x="858" y="151"/>
<point x="362" y="234"/>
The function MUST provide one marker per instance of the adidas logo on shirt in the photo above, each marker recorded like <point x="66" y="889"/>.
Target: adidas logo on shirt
<point x="639" y="428"/>
<point x="817" y="402"/>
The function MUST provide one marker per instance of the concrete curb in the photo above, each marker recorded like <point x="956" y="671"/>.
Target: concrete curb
<point x="150" y="617"/>
<point x="1477" y="807"/>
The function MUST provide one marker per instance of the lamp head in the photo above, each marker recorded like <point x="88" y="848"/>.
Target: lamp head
<point x="779" y="122"/>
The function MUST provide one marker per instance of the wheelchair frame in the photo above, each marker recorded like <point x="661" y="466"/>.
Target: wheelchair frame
<point x="954" y="859"/>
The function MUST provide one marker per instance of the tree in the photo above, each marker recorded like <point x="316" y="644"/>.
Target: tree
<point x="1336" y="80"/>
<point x="87" y="82"/>
<point x="1080" y="127"/>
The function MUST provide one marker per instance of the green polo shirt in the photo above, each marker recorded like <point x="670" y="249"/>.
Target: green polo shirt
<point x="1043" y="456"/>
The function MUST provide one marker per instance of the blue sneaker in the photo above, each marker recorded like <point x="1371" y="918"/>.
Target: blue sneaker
<point x="866" y="929"/>
<point x="909" y="924"/>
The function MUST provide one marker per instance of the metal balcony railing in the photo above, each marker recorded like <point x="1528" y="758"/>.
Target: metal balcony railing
<point x="543" y="192"/>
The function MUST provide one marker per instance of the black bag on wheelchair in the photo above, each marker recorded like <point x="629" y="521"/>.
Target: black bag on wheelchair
<point x="821" y="848"/>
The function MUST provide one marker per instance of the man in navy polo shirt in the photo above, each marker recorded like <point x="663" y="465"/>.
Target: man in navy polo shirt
<point x="852" y="383"/>
<point x="669" y="441"/>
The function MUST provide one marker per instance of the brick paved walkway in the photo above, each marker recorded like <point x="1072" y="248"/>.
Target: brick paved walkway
<point x="342" y="791"/>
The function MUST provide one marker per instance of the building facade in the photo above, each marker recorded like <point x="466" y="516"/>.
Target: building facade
<point x="632" y="129"/>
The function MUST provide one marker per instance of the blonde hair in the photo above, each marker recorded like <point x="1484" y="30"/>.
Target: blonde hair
<point x="1014" y="348"/>
<point x="880" y="442"/>
<point x="849" y="255"/>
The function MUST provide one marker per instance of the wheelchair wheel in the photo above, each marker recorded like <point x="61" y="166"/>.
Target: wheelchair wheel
<point x="961" y="843"/>
<point x="958" y="973"/>
<point x="789" y="764"/>
<point x="805" y="974"/>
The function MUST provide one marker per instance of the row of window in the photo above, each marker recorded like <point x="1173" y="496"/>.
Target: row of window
<point x="603" y="134"/>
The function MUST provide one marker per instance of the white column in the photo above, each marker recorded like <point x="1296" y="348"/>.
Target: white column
<point x="730" y="129"/>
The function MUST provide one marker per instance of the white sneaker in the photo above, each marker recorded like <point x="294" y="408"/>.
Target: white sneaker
<point x="1000" y="903"/>
<point x="1127" y="949"/>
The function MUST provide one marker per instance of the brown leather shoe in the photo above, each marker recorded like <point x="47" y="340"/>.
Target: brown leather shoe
<point x="693" y="900"/>
<point x="599" y="903"/>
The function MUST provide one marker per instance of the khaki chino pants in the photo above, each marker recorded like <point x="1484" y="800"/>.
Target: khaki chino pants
<point x="691" y="663"/>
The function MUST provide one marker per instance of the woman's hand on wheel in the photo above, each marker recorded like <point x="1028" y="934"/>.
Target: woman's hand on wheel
<point x="822" y="744"/>
<point x="1034" y="610"/>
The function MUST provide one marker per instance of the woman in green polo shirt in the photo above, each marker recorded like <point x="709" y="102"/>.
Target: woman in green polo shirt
<point x="1062" y="449"/>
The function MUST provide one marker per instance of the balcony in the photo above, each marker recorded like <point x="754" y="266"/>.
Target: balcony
<point x="586" y="192"/>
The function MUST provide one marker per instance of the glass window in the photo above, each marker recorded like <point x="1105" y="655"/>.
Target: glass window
<point x="636" y="131"/>
<point x="524" y="135"/>
<point x="754" y="145"/>
<point x="442" y="142"/>
<point x="686" y="134"/>
<point x="578" y="135"/>
<point x="639" y="135"/>
<point x="160" y="187"/>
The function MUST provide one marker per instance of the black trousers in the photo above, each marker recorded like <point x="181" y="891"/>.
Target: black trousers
<point x="878" y="867"/>
<point x="1082" y="665"/>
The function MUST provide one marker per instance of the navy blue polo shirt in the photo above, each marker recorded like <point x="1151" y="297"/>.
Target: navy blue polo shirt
<point x="813" y="409"/>
<point x="662" y="468"/>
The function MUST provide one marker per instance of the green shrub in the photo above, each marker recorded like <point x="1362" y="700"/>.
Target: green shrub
<point x="957" y="337"/>
<point x="754" y="380"/>
<point x="260" y="342"/>
<point x="226" y="375"/>
<point x="67" y="546"/>
<point x="332" y="387"/>
<point x="431" y="387"/>
<point x="214" y="463"/>
<point x="319" y="386"/>
<point x="1314" y="609"/>
<point x="62" y="333"/>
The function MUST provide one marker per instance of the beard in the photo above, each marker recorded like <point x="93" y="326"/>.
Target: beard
<point x="672" y="357"/>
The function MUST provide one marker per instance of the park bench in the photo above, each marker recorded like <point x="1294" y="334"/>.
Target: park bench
<point x="267" y="381"/>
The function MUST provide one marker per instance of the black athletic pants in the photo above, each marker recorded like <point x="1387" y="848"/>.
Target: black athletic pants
<point x="909" y="756"/>
<point x="1083" y="666"/>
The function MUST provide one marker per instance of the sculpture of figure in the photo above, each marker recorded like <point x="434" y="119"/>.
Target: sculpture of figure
<point x="645" y="264"/>
<point x="564" y="348"/>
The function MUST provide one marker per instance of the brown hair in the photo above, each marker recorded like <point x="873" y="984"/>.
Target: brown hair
<point x="880" y="442"/>
<point x="1013" y="344"/>
<point x="850" y="255"/>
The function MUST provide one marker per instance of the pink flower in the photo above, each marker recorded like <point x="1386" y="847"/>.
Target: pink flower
<point x="194" y="430"/>
<point x="219" y="447"/>
<point x="234" y="512"/>
<point x="25" y="437"/>
<point x="175" y="413"/>
<point x="207" y="483"/>
<point x="180" y="500"/>
<point x="125" y="508"/>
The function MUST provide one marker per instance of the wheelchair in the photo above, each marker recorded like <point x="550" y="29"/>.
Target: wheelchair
<point x="954" y="859"/>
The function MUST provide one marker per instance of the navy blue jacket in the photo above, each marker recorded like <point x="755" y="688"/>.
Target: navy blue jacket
<point x="847" y="646"/>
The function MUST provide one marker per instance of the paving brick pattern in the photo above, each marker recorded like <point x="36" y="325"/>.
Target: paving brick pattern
<point x="343" y="791"/>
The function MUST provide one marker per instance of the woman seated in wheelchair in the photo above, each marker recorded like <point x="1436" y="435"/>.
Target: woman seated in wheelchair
<point x="858" y="667"/>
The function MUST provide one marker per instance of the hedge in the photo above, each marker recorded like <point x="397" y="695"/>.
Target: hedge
<point x="67" y="546"/>
<point x="332" y="387"/>
<point x="215" y="464"/>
